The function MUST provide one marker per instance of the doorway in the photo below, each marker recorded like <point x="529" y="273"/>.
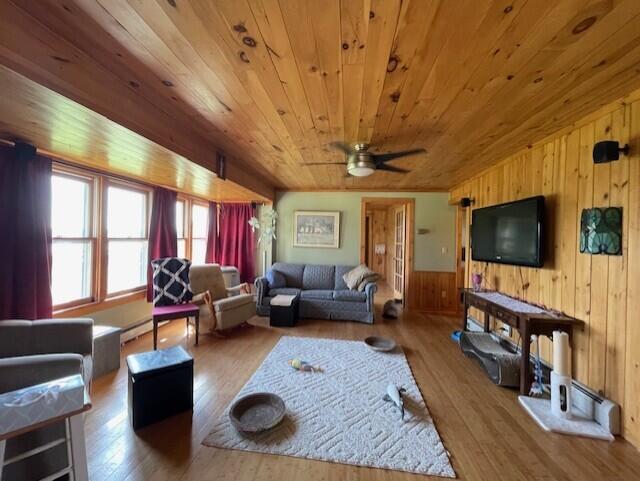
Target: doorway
<point x="400" y="228"/>
<point x="386" y="245"/>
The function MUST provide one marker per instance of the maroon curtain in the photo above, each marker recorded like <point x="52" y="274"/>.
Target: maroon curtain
<point x="236" y="244"/>
<point x="211" y="255"/>
<point x="25" y="234"/>
<point x="163" y="238"/>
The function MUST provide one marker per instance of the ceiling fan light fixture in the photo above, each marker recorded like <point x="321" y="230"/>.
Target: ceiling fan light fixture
<point x="361" y="171"/>
<point x="361" y="166"/>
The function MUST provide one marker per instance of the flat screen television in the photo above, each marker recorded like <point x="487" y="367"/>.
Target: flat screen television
<point x="510" y="233"/>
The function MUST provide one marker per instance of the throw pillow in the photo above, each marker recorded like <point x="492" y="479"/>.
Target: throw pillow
<point x="372" y="278"/>
<point x="354" y="277"/>
<point x="171" y="281"/>
<point x="275" y="279"/>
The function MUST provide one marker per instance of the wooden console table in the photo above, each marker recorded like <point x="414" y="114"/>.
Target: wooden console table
<point x="526" y="318"/>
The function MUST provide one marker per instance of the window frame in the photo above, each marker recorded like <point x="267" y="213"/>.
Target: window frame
<point x="186" y="224"/>
<point x="201" y="203"/>
<point x="91" y="181"/>
<point x="125" y="185"/>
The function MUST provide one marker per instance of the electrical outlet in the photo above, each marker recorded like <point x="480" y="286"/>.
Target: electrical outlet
<point x="445" y="250"/>
<point x="444" y="294"/>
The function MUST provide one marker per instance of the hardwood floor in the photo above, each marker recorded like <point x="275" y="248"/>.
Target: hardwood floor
<point x="485" y="430"/>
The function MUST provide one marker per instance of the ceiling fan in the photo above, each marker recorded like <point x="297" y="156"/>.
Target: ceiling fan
<point x="361" y="163"/>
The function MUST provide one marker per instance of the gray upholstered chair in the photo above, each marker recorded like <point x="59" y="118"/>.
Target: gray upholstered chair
<point x="33" y="352"/>
<point x="220" y="307"/>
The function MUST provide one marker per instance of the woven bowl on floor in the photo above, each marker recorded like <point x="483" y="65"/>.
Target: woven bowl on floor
<point x="257" y="412"/>
<point x="378" y="343"/>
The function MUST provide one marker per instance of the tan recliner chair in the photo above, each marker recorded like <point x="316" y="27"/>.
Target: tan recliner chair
<point x="220" y="307"/>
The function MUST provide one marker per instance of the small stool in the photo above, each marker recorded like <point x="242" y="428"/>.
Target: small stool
<point x="170" y="313"/>
<point x="106" y="350"/>
<point x="160" y="385"/>
<point x="284" y="311"/>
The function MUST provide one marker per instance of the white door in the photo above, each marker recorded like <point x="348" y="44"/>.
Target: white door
<point x="398" y="258"/>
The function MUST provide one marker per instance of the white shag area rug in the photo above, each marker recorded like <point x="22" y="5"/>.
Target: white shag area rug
<point x="339" y="414"/>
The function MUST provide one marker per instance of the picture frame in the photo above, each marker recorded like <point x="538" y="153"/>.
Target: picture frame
<point x="318" y="229"/>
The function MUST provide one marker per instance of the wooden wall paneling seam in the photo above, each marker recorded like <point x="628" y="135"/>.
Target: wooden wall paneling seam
<point x="616" y="315"/>
<point x="631" y="406"/>
<point x="599" y="272"/>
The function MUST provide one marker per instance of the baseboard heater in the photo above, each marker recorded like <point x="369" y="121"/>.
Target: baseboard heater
<point x="136" y="330"/>
<point x="604" y="411"/>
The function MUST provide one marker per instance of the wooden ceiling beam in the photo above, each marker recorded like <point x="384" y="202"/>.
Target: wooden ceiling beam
<point x="35" y="51"/>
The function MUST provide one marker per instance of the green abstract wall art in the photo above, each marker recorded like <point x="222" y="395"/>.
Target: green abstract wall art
<point x="601" y="231"/>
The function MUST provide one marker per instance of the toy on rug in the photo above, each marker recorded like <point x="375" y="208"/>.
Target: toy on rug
<point x="300" y="365"/>
<point x="394" y="395"/>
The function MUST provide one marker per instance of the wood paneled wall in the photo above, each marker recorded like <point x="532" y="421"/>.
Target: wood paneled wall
<point x="433" y="291"/>
<point x="378" y="235"/>
<point x="603" y="291"/>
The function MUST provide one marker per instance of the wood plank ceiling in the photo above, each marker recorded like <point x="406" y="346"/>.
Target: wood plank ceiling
<point x="272" y="82"/>
<point x="74" y="134"/>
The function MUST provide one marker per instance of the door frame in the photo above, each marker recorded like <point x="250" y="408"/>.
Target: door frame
<point x="410" y="204"/>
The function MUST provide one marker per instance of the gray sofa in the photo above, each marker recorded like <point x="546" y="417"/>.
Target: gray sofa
<point x="323" y="293"/>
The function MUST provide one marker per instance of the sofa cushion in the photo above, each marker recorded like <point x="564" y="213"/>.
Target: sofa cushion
<point x="339" y="283"/>
<point x="349" y="295"/>
<point x="276" y="279"/>
<point x="292" y="273"/>
<point x="232" y="302"/>
<point x="318" y="277"/>
<point x="356" y="277"/>
<point x="285" y="291"/>
<point x="317" y="294"/>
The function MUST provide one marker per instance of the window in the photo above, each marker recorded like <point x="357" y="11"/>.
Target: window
<point x="100" y="228"/>
<point x="199" y="226"/>
<point x="73" y="241"/>
<point x="126" y="238"/>
<point x="180" y="229"/>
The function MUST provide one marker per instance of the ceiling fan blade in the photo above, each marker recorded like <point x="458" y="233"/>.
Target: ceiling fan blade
<point x="391" y="168"/>
<point x="346" y="148"/>
<point x="325" y="163"/>
<point x="381" y="158"/>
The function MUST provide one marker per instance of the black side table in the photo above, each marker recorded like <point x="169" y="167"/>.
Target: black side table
<point x="284" y="316"/>
<point x="160" y="385"/>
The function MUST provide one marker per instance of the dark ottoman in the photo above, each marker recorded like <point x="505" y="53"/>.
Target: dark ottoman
<point x="284" y="316"/>
<point x="160" y="385"/>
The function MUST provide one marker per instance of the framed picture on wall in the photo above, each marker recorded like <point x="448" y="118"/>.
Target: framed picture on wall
<point x="316" y="229"/>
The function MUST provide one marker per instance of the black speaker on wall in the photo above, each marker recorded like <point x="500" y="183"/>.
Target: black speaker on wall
<point x="466" y="202"/>
<point x="607" y="151"/>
